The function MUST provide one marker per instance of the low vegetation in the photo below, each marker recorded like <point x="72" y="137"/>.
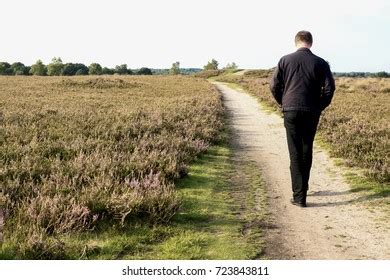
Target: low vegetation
<point x="78" y="153"/>
<point x="357" y="125"/>
<point x="206" y="74"/>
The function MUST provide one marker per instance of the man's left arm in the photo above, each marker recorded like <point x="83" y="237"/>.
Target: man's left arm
<point x="277" y="84"/>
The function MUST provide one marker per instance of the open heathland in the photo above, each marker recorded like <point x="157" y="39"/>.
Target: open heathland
<point x="83" y="151"/>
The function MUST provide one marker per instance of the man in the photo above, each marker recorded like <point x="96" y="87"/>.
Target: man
<point x="303" y="86"/>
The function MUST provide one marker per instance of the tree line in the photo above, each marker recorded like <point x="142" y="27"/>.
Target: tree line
<point x="381" y="74"/>
<point x="58" y="68"/>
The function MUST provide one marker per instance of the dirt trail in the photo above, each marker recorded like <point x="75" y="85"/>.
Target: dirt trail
<point x="335" y="225"/>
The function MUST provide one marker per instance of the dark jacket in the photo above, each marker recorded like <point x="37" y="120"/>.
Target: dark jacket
<point x="302" y="81"/>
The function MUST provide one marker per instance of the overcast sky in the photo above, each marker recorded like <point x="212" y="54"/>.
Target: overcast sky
<point x="353" y="35"/>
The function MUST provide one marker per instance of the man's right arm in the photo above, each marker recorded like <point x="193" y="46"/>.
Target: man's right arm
<point x="277" y="84"/>
<point x="328" y="87"/>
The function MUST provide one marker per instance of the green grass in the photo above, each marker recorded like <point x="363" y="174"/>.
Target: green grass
<point x="209" y="224"/>
<point x="361" y="183"/>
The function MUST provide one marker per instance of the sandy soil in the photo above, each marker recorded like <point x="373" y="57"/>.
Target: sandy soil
<point x="337" y="224"/>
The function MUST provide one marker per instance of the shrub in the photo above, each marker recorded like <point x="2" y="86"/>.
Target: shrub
<point x="175" y="69"/>
<point x="211" y="65"/>
<point x="5" y="68"/>
<point x="108" y="71"/>
<point x="261" y="73"/>
<point x="72" y="69"/>
<point x="55" y="67"/>
<point x="19" y="68"/>
<point x="208" y="73"/>
<point x="95" y="69"/>
<point x="144" y="71"/>
<point x="121" y="69"/>
<point x="38" y="69"/>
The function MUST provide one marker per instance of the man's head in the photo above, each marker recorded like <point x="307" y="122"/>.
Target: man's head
<point x="303" y="39"/>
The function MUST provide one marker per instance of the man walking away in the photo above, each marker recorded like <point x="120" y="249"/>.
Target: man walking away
<point x="303" y="86"/>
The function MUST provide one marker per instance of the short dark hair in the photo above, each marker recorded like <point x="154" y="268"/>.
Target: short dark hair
<point x="304" y="36"/>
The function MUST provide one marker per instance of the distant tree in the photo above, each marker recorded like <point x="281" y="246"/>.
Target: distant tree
<point x="108" y="71"/>
<point x="27" y="70"/>
<point x="38" y="69"/>
<point x="71" y="69"/>
<point x="144" y="71"/>
<point x="82" y="69"/>
<point x="175" y="69"/>
<point x="55" y="67"/>
<point x="95" y="69"/>
<point x="231" y="66"/>
<point x="121" y="69"/>
<point x="5" y="68"/>
<point x="18" y="68"/>
<point x="382" y="74"/>
<point x="211" y="65"/>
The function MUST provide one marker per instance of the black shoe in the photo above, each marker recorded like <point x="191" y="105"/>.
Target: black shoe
<point x="298" y="203"/>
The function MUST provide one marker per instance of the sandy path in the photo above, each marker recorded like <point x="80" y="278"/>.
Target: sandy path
<point x="335" y="225"/>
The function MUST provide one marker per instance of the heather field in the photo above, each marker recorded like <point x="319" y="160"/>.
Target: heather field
<point x="356" y="127"/>
<point x="84" y="151"/>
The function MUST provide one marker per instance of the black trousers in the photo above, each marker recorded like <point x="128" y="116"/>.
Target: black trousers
<point x="301" y="128"/>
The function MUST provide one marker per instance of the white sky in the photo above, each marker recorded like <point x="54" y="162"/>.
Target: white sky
<point x="351" y="35"/>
